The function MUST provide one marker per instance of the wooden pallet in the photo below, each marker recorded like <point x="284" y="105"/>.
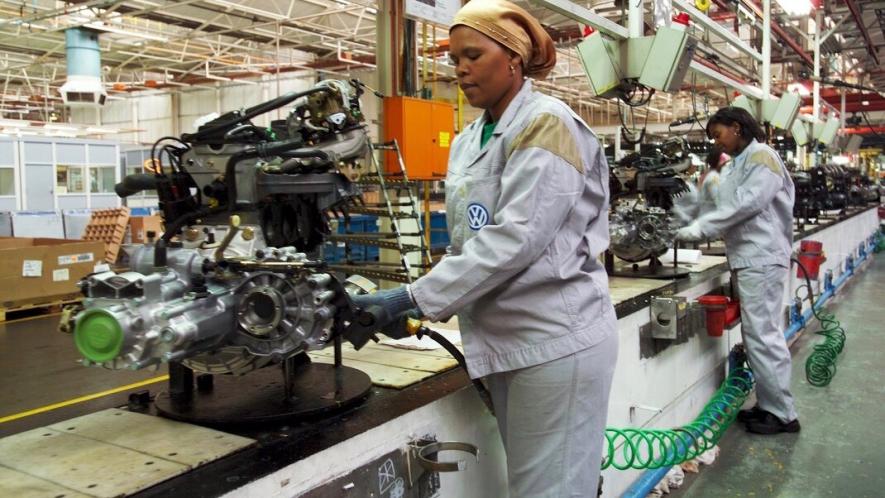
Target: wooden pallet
<point x="48" y="305"/>
<point x="108" y="226"/>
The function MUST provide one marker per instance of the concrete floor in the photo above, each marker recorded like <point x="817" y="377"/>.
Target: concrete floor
<point x="38" y="367"/>
<point x="841" y="449"/>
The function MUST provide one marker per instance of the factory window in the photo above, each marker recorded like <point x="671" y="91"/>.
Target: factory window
<point x="69" y="179"/>
<point x="101" y="179"/>
<point x="7" y="181"/>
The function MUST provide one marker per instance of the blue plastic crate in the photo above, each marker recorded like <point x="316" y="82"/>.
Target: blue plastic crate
<point x="142" y="211"/>
<point x="439" y="234"/>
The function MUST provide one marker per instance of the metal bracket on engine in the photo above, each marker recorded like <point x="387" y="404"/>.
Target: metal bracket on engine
<point x="232" y="231"/>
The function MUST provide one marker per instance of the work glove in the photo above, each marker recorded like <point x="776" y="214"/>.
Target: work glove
<point x="382" y="311"/>
<point x="690" y="233"/>
<point x="399" y="328"/>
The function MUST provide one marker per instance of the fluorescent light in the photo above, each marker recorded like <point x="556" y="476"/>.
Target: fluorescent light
<point x="11" y="123"/>
<point x="96" y="129"/>
<point x="100" y="26"/>
<point x="50" y="126"/>
<point x="795" y="7"/>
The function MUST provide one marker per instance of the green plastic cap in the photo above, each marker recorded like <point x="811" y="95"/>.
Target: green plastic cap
<point x="98" y="335"/>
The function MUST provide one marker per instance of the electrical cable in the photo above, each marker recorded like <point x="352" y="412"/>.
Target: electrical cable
<point x="820" y="367"/>
<point x="655" y="448"/>
<point x="156" y="163"/>
<point x="870" y="125"/>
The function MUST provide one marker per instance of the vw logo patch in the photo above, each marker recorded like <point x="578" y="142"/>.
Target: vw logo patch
<point x="477" y="216"/>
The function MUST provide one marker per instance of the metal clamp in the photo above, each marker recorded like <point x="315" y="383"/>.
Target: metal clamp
<point x="420" y="458"/>
<point x="233" y="229"/>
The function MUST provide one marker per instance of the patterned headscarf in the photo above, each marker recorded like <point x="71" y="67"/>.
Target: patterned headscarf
<point x="514" y="28"/>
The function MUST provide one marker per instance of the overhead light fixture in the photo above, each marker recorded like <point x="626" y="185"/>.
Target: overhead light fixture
<point x="99" y="130"/>
<point x="795" y="7"/>
<point x="11" y="123"/>
<point x="52" y="126"/>
<point x="100" y="26"/>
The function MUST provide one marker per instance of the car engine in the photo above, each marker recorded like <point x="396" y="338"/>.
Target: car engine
<point x="204" y="307"/>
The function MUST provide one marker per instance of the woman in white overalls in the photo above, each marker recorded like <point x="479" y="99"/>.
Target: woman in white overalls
<point x="526" y="206"/>
<point x="755" y="217"/>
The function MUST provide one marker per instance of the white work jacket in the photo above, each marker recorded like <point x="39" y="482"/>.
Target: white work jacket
<point x="755" y="213"/>
<point x="708" y="194"/>
<point x="527" y="217"/>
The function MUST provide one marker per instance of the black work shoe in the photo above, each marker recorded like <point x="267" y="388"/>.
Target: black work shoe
<point x="769" y="424"/>
<point x="754" y="413"/>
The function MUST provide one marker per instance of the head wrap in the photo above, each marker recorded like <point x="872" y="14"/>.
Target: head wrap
<point x="514" y="28"/>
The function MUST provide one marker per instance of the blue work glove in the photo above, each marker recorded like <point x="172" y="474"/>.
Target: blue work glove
<point x="384" y="311"/>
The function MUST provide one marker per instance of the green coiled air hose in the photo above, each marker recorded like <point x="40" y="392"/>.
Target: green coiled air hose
<point x="655" y="448"/>
<point x="820" y="367"/>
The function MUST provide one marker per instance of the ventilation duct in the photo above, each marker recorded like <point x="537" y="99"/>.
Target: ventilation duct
<point x="83" y="86"/>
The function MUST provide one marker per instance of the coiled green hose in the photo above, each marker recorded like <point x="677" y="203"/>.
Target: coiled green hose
<point x="656" y="448"/>
<point x="820" y="367"/>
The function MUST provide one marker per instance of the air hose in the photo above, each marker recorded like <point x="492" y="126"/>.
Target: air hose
<point x="655" y="448"/>
<point x="648" y="448"/>
<point x="820" y="367"/>
<point x="416" y="327"/>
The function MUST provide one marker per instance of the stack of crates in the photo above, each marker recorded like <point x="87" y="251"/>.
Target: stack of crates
<point x="334" y="252"/>
<point x="439" y="235"/>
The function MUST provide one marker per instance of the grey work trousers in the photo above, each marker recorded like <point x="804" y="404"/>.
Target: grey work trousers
<point x="552" y="418"/>
<point x="762" y="304"/>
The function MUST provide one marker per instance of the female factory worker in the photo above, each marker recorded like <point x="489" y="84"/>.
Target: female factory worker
<point x="527" y="207"/>
<point x="755" y="216"/>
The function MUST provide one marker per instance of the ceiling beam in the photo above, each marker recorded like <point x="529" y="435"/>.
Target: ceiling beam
<point x="858" y="18"/>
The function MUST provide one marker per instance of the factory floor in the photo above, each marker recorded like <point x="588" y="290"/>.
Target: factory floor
<point x="42" y="383"/>
<point x="841" y="449"/>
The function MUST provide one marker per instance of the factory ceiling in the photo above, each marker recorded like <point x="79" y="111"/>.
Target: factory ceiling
<point x="162" y="46"/>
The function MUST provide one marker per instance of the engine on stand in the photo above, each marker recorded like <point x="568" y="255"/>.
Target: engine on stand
<point x="811" y="195"/>
<point x="641" y="225"/>
<point x="203" y="309"/>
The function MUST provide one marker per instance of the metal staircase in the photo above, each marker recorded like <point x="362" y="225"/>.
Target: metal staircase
<point x="387" y="208"/>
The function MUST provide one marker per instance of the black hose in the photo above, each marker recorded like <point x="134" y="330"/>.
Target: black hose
<point x="135" y="183"/>
<point x="484" y="393"/>
<point x="173" y="228"/>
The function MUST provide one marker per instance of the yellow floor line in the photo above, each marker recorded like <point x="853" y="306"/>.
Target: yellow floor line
<point x="81" y="399"/>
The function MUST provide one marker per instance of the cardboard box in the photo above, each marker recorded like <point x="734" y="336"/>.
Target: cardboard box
<point x="32" y="269"/>
<point x="5" y="224"/>
<point x="48" y="224"/>
<point x="139" y="226"/>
